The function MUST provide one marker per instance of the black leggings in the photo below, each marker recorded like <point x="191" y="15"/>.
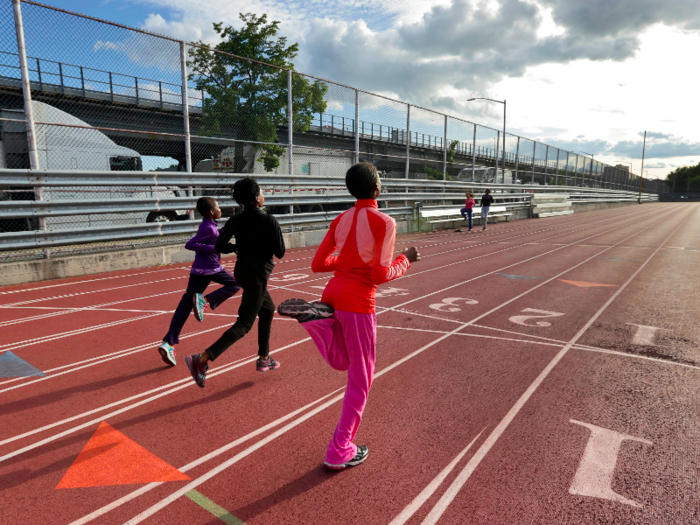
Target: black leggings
<point x="255" y="302"/>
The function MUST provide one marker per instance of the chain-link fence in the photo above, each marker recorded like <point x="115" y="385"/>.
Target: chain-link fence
<point x="82" y="94"/>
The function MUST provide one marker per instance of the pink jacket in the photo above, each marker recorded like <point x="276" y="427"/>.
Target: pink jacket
<point x="469" y="204"/>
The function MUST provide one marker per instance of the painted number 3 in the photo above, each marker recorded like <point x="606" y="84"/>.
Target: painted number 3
<point x="448" y="304"/>
<point x="534" y="314"/>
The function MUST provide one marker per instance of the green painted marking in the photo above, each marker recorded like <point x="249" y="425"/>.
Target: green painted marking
<point x="213" y="508"/>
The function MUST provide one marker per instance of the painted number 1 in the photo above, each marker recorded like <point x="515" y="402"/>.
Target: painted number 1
<point x="290" y="277"/>
<point x="390" y="292"/>
<point x="534" y="314"/>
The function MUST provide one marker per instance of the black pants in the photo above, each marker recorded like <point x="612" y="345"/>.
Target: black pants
<point x="255" y="302"/>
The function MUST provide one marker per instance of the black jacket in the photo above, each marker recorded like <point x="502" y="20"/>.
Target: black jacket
<point x="486" y="200"/>
<point x="258" y="237"/>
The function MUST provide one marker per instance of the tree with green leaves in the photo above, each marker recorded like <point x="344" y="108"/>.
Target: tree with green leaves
<point x="246" y="99"/>
<point x="685" y="178"/>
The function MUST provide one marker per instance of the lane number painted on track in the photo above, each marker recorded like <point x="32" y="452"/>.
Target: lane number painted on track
<point x="391" y="292"/>
<point x="644" y="335"/>
<point x="534" y="314"/>
<point x="595" y="473"/>
<point x="448" y="304"/>
<point x="290" y="277"/>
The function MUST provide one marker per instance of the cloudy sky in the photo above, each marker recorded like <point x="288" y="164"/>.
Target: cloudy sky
<point x="586" y="75"/>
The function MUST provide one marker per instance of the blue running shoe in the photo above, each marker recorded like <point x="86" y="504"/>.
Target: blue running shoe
<point x="199" y="305"/>
<point x="197" y="369"/>
<point x="167" y="352"/>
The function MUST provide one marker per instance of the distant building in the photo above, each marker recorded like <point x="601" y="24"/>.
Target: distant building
<point x="624" y="167"/>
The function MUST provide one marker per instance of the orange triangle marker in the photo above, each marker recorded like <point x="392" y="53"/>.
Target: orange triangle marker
<point x="581" y="284"/>
<point x="111" y="458"/>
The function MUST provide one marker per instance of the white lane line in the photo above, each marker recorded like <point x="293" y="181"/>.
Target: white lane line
<point x="410" y="301"/>
<point x="583" y="348"/>
<point x="73" y="283"/>
<point x="213" y="472"/>
<point x="410" y="509"/>
<point x="68" y="310"/>
<point x="235" y="459"/>
<point x="78" y="294"/>
<point x="183" y="383"/>
<point x="519" y="333"/>
<point x="147" y="488"/>
<point x="459" y="284"/>
<point x="447" y="498"/>
<point x="72" y="367"/>
<point x="54" y="337"/>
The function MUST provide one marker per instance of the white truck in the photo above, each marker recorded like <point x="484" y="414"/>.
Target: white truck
<point x="72" y="144"/>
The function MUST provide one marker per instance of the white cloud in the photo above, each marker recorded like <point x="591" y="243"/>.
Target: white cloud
<point x="572" y="71"/>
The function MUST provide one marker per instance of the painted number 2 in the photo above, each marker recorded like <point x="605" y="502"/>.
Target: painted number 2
<point x="448" y="304"/>
<point x="534" y="314"/>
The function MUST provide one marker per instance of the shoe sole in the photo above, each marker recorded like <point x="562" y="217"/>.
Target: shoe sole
<point x="189" y="366"/>
<point x="166" y="357"/>
<point x="348" y="464"/>
<point x="301" y="307"/>
<point x="197" y="315"/>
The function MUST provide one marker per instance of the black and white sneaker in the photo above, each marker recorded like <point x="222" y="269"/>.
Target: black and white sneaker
<point x="304" y="311"/>
<point x="360" y="457"/>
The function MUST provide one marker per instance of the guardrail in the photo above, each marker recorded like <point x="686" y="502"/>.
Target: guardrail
<point x="71" y="194"/>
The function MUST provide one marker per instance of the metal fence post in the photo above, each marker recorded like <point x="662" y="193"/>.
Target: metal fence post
<point x="290" y="137"/>
<point x="28" y="108"/>
<point x="498" y="152"/>
<point x="357" y="126"/>
<point x="474" y="153"/>
<point x="517" y="159"/>
<point x="546" y="164"/>
<point x="566" y="173"/>
<point x="444" y="152"/>
<point x="575" y="169"/>
<point x="185" y="117"/>
<point x="556" y="176"/>
<point x="534" y="152"/>
<point x="408" y="138"/>
<point x="26" y="91"/>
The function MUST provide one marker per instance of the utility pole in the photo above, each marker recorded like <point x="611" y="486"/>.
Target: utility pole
<point x="641" y="173"/>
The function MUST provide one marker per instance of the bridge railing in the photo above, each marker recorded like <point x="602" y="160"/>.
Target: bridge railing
<point x="62" y="78"/>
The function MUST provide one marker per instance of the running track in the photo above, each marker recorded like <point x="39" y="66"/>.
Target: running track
<point x="509" y="389"/>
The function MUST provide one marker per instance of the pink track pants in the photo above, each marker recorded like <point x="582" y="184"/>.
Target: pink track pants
<point x="347" y="342"/>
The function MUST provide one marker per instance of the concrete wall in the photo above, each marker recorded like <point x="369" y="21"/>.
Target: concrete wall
<point x="62" y="267"/>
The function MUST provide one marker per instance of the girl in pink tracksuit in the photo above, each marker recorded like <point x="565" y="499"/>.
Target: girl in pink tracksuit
<point x="343" y="325"/>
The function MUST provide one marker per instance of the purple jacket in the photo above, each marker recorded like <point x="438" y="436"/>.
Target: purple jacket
<point x="207" y="260"/>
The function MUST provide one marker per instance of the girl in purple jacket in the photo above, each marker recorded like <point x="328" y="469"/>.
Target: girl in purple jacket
<point x="205" y="269"/>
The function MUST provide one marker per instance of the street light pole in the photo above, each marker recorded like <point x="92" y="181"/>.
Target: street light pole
<point x="504" y="129"/>
<point x="644" y="149"/>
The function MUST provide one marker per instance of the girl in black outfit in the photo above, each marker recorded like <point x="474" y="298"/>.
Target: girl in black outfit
<point x="486" y="201"/>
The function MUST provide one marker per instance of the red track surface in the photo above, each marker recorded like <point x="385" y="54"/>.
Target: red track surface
<point x="477" y="414"/>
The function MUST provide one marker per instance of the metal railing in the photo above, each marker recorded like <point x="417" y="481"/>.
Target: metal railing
<point x="67" y="200"/>
<point x="50" y="76"/>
